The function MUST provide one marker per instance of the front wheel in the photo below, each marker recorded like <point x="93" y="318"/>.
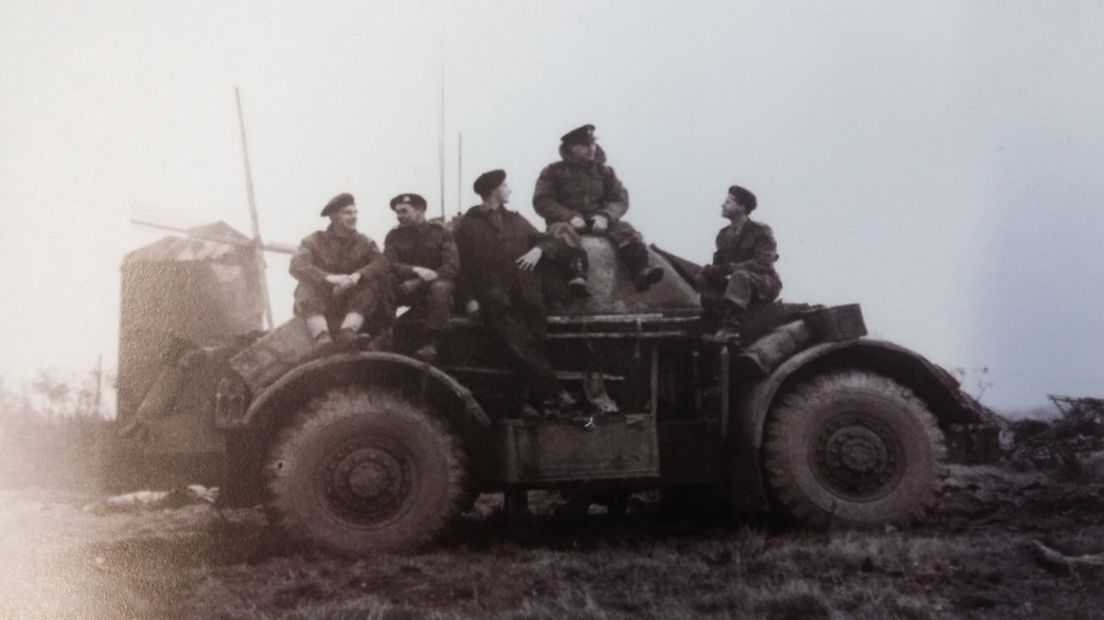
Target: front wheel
<point x="854" y="448"/>
<point x="365" y="471"/>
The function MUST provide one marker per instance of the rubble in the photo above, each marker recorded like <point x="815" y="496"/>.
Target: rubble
<point x="1072" y="446"/>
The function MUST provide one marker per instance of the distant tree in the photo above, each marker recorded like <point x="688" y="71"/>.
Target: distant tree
<point x="54" y="391"/>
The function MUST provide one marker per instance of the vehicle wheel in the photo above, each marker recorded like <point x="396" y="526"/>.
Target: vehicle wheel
<point x="365" y="471"/>
<point x="854" y="448"/>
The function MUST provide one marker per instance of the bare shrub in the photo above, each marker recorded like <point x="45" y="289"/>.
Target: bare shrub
<point x="50" y="431"/>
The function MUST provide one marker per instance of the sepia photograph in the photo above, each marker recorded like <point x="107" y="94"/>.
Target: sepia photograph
<point x="599" y="309"/>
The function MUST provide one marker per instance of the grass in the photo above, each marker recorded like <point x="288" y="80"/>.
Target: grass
<point x="194" y="562"/>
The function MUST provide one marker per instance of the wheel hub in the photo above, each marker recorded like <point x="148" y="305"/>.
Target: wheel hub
<point x="857" y="456"/>
<point x="367" y="483"/>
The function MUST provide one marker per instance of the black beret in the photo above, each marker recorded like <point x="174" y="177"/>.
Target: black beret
<point x="579" y="135"/>
<point x="743" y="197"/>
<point x="488" y="182"/>
<point x="338" y="203"/>
<point x="408" y="199"/>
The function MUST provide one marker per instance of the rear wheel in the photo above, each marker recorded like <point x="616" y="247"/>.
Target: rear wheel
<point x="854" y="448"/>
<point x="363" y="471"/>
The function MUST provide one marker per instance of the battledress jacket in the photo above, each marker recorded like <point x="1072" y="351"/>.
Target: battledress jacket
<point x="584" y="188"/>
<point x="753" y="251"/>
<point x="327" y="252"/>
<point x="489" y="243"/>
<point x="428" y="244"/>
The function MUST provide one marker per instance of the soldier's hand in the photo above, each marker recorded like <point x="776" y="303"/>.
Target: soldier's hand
<point x="529" y="260"/>
<point x="472" y="309"/>
<point x="341" y="282"/>
<point x="599" y="223"/>
<point x="428" y="275"/>
<point x="713" y="274"/>
<point x="578" y="223"/>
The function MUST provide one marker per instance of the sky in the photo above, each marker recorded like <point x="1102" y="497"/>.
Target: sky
<point x="937" y="162"/>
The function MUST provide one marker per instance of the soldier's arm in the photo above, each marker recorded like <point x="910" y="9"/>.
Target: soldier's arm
<point x="764" y="253"/>
<point x="450" y="257"/>
<point x="303" y="267"/>
<point x="399" y="270"/>
<point x="717" y="271"/>
<point x="550" y="246"/>
<point x="545" y="202"/>
<point x="616" y="196"/>
<point x="376" y="265"/>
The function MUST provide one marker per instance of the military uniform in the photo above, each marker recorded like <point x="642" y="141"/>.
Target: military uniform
<point x="576" y="187"/>
<point x="510" y="300"/>
<point x="742" y="272"/>
<point x="327" y="252"/>
<point x="429" y="245"/>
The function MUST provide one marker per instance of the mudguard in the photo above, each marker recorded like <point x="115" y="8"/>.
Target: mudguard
<point x="307" y="380"/>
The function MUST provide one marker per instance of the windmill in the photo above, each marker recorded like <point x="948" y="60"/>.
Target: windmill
<point x="203" y="233"/>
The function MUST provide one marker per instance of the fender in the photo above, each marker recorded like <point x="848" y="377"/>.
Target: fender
<point x="930" y="382"/>
<point x="298" y="385"/>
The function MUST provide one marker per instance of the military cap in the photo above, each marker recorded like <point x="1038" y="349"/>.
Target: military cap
<point x="743" y="197"/>
<point x="488" y="182"/>
<point x="338" y="203"/>
<point x="579" y="135"/>
<point x="408" y="199"/>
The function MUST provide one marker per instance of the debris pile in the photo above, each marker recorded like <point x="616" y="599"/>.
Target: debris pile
<point x="1072" y="447"/>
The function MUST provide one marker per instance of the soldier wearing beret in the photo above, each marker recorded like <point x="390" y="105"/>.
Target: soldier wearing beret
<point x="424" y="265"/>
<point x="343" y="278"/>
<point x="500" y="252"/>
<point x="742" y="272"/>
<point x="581" y="194"/>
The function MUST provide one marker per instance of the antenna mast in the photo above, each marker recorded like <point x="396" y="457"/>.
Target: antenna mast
<point x="459" y="170"/>
<point x="261" y="267"/>
<point x="441" y="141"/>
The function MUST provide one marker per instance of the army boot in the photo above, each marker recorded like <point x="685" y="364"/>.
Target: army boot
<point x="729" y="329"/>
<point x="428" y="352"/>
<point x="380" y="342"/>
<point x="344" y="340"/>
<point x="323" y="344"/>
<point x="635" y="257"/>
<point x="577" y="284"/>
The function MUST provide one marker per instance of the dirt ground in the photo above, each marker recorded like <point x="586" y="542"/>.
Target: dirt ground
<point x="73" y="556"/>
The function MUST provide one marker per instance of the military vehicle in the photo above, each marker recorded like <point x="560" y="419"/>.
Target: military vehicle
<point x="368" y="450"/>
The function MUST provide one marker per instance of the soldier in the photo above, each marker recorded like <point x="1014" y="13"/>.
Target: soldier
<point x="582" y="194"/>
<point x="742" y="272"/>
<point x="424" y="264"/>
<point x="343" y="277"/>
<point x="499" y="253"/>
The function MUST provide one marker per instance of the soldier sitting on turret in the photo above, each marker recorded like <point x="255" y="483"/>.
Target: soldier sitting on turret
<point x="424" y="265"/>
<point x="742" y="272"/>
<point x="343" y="278"/>
<point x="582" y="194"/>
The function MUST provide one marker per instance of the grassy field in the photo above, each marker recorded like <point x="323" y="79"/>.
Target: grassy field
<point x="67" y="557"/>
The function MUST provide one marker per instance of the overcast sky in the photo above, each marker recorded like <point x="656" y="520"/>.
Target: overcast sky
<point x="938" y="162"/>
